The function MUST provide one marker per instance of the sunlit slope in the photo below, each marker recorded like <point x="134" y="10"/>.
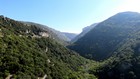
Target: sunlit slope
<point x="28" y="52"/>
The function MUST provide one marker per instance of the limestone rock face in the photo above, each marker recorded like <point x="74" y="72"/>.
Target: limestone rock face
<point x="44" y="34"/>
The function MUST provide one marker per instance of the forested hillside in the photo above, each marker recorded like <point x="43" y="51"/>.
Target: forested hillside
<point x="116" y="41"/>
<point x="125" y="62"/>
<point x="102" y="41"/>
<point x="28" y="52"/>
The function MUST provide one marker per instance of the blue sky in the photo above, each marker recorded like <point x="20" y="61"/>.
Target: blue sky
<point x="65" y="15"/>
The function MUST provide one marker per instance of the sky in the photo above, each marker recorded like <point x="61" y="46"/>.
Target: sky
<point x="66" y="15"/>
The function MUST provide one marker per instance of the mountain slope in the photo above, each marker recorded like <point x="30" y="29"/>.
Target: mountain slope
<point x="27" y="52"/>
<point x="85" y="30"/>
<point x="105" y="38"/>
<point x="124" y="64"/>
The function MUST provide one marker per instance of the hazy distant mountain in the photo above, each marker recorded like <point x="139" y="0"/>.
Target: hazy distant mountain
<point x="85" y="30"/>
<point x="104" y="39"/>
<point x="70" y="35"/>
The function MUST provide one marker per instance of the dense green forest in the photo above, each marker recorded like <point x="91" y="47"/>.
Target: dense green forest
<point x="26" y="54"/>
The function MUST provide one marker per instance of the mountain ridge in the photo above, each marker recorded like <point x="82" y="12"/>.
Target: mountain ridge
<point x="59" y="36"/>
<point x="85" y="30"/>
<point x="98" y="43"/>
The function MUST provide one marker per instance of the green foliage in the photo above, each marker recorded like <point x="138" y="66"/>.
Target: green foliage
<point x="125" y="61"/>
<point x="117" y="42"/>
<point x="24" y="55"/>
